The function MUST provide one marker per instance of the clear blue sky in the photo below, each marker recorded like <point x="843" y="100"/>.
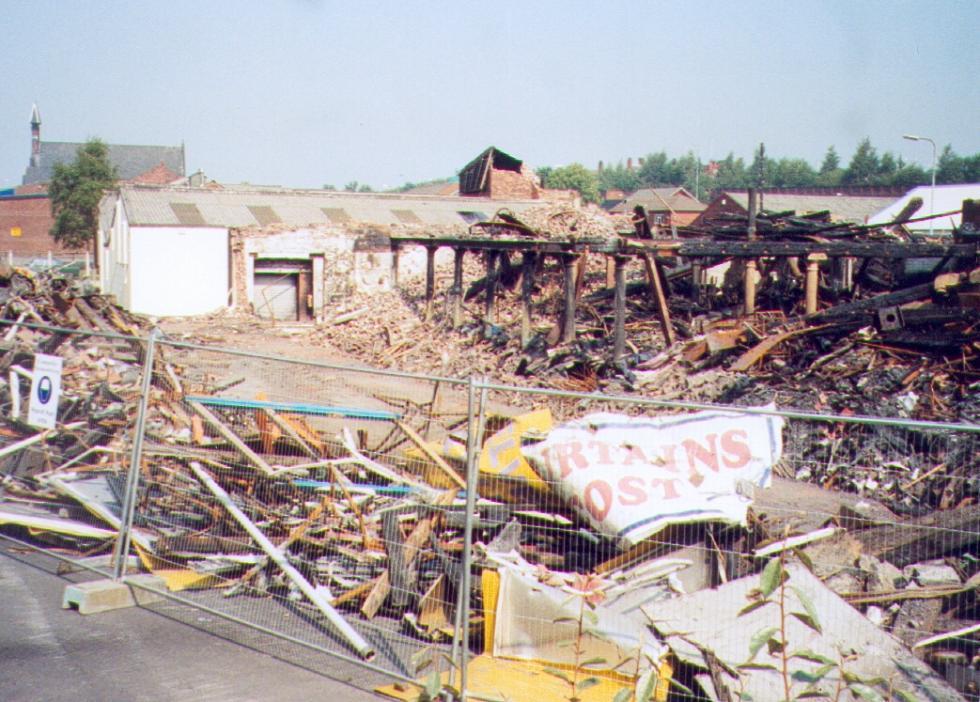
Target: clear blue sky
<point x="305" y="92"/>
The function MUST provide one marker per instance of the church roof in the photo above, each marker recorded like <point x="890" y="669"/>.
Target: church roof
<point x="130" y="160"/>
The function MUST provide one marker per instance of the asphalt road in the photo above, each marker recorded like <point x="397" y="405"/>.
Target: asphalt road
<point x="172" y="652"/>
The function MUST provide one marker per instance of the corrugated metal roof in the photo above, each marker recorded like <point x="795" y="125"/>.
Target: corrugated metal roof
<point x="948" y="199"/>
<point x="842" y="208"/>
<point x="150" y="206"/>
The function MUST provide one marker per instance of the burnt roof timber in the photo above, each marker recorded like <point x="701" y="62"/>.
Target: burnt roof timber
<point x="703" y="248"/>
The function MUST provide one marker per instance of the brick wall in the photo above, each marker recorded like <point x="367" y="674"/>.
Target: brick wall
<point x="32" y="215"/>
<point x="723" y="204"/>
<point x="510" y="185"/>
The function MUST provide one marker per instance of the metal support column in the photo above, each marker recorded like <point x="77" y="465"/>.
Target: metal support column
<point x="121" y="550"/>
<point x="619" y="339"/>
<point x="527" y="290"/>
<point x="491" y="290"/>
<point x="457" y="291"/>
<point x="751" y="267"/>
<point x="568" y="328"/>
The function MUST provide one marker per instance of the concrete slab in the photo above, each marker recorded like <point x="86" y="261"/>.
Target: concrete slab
<point x="106" y="595"/>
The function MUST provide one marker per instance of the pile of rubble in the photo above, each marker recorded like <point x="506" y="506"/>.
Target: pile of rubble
<point x="556" y="220"/>
<point x="272" y="500"/>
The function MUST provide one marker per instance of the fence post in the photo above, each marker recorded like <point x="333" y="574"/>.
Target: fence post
<point x="476" y="419"/>
<point x="132" y="479"/>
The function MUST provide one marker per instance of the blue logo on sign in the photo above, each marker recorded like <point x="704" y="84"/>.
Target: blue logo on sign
<point x="44" y="390"/>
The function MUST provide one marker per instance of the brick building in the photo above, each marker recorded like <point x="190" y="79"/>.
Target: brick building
<point x="664" y="207"/>
<point x="25" y="211"/>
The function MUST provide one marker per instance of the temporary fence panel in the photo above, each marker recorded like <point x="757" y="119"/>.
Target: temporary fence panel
<point x="314" y="501"/>
<point x="70" y="402"/>
<point x="526" y="544"/>
<point x="649" y="549"/>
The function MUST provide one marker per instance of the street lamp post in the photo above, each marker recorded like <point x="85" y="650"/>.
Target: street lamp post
<point x="932" y="193"/>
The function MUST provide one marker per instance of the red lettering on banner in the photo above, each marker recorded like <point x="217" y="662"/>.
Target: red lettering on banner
<point x="602" y="490"/>
<point x="668" y="458"/>
<point x="632" y="492"/>
<point x="566" y="453"/>
<point x="706" y="455"/>
<point x="605" y="458"/>
<point x="669" y="486"/>
<point x="737" y="453"/>
<point x="634" y="453"/>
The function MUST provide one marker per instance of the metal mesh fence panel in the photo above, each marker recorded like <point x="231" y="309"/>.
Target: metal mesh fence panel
<point x="318" y="502"/>
<point x="67" y="438"/>
<point x="632" y="547"/>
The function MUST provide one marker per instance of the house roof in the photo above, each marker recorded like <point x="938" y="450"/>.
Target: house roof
<point x="130" y="160"/>
<point x="672" y="199"/>
<point x="948" y="198"/>
<point x="842" y="208"/>
<point x="175" y="206"/>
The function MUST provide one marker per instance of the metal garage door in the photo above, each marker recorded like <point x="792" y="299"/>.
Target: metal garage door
<point x="275" y="296"/>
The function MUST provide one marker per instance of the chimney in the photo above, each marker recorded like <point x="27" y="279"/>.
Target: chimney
<point x="640" y="161"/>
<point x="600" y="167"/>
<point x="629" y="164"/>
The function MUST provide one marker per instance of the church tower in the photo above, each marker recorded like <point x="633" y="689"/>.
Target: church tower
<point x="35" y="137"/>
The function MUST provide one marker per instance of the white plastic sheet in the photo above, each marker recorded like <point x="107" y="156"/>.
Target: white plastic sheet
<point x="629" y="477"/>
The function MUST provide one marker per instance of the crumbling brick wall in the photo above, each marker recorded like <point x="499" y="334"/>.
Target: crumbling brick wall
<point x="506" y="184"/>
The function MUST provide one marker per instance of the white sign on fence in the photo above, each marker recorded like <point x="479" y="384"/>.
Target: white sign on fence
<point x="45" y="391"/>
<point x="632" y="476"/>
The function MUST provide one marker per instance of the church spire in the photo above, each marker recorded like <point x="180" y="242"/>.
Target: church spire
<point x="35" y="136"/>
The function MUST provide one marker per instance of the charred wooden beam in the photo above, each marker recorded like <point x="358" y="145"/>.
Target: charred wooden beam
<point x="858" y="249"/>
<point x="430" y="278"/>
<point x="916" y="292"/>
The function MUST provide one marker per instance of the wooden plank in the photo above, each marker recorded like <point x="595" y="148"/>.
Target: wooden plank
<point x="341" y="626"/>
<point x="232" y="438"/>
<point x="420" y="534"/>
<point x="755" y="354"/>
<point x="923" y="538"/>
<point x="439" y="461"/>
<point x="663" y="311"/>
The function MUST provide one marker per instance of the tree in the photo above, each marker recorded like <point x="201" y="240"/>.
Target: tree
<point x="731" y="173"/>
<point x="864" y="165"/>
<point x="831" y="161"/>
<point x="76" y="189"/>
<point x="950" y="168"/>
<point x="793" y="173"/>
<point x="618" y="177"/>
<point x="575" y="176"/>
<point x="908" y="175"/>
<point x="830" y="173"/>
<point x="655" y="170"/>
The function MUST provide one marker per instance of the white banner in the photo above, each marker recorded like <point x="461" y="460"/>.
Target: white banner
<point x="45" y="391"/>
<point x="629" y="477"/>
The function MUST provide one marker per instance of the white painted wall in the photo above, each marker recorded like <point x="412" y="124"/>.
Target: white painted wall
<point x="177" y="271"/>
<point x="365" y="271"/>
